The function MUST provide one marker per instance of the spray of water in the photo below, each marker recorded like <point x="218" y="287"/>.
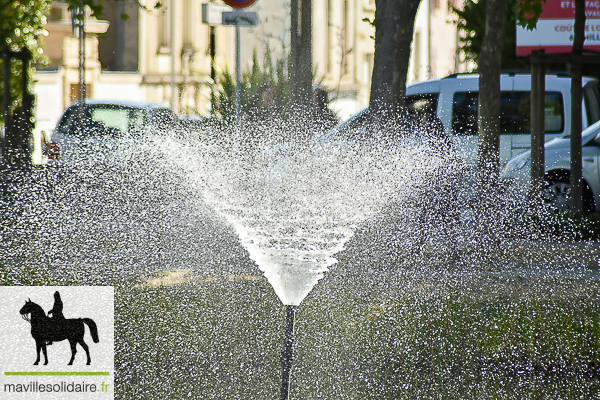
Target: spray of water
<point x="295" y="207"/>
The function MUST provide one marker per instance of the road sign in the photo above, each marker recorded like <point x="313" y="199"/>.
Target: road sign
<point x="212" y="14"/>
<point x="239" y="3"/>
<point x="240" y="18"/>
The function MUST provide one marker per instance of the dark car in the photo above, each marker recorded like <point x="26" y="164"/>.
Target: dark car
<point x="103" y="130"/>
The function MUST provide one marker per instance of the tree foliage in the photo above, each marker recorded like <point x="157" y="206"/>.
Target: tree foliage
<point x="271" y="73"/>
<point x="21" y="27"/>
<point x="22" y="23"/>
<point x="527" y="12"/>
<point x="471" y="23"/>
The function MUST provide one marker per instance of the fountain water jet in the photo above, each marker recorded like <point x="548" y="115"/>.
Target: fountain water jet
<point x="294" y="212"/>
<point x="294" y="209"/>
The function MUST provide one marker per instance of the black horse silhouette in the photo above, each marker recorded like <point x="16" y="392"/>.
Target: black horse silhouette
<point x="45" y="329"/>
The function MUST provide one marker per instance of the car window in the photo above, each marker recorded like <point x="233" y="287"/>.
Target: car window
<point x="104" y="120"/>
<point x="422" y="103"/>
<point x="464" y="113"/>
<point x="353" y="129"/>
<point x="514" y="113"/>
<point x="111" y="120"/>
<point x="592" y="102"/>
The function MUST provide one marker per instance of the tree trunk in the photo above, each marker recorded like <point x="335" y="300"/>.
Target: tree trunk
<point x="300" y="69"/>
<point x="490" y="60"/>
<point x="488" y="168"/>
<point x="394" y="27"/>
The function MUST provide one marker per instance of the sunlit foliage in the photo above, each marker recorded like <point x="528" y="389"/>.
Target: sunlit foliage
<point x="22" y="27"/>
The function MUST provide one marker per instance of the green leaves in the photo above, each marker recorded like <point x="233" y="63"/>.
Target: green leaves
<point x="22" y="24"/>
<point x="471" y="24"/>
<point x="22" y="27"/>
<point x="271" y="73"/>
<point x="528" y="12"/>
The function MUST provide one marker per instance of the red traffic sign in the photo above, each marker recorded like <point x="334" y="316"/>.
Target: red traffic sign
<point x="239" y="3"/>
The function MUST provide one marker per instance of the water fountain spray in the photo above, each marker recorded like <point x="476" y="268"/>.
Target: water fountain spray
<point x="292" y="212"/>
<point x="295" y="208"/>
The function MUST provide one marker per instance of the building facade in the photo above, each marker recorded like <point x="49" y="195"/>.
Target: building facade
<point x="167" y="55"/>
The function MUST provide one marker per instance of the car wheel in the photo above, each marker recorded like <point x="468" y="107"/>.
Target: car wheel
<point x="557" y="194"/>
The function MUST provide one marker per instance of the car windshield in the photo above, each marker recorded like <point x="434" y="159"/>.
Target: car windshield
<point x="592" y="130"/>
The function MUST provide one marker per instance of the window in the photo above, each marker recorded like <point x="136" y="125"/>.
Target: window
<point x="103" y="120"/>
<point x="119" y="120"/>
<point x="74" y="91"/>
<point x="514" y="113"/>
<point x="592" y="102"/>
<point x="164" y="34"/>
<point x="58" y="12"/>
<point x="188" y="24"/>
<point x="422" y="103"/>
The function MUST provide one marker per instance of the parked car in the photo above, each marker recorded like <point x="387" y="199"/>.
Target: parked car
<point x="103" y="131"/>
<point x="454" y="99"/>
<point x="516" y="174"/>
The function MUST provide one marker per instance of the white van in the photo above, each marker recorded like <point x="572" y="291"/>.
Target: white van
<point x="455" y="100"/>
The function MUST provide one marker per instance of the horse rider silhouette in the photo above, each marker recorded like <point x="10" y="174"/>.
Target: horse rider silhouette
<point x="45" y="329"/>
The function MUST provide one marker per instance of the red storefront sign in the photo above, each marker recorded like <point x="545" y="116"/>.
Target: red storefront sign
<point x="555" y="29"/>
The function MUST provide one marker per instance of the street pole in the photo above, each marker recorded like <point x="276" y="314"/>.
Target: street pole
<point x="238" y="19"/>
<point x="173" y="77"/>
<point x="213" y="68"/>
<point x="238" y="75"/>
<point x="300" y="69"/>
<point x="576" y="202"/>
<point x="80" y="32"/>
<point x="538" y="99"/>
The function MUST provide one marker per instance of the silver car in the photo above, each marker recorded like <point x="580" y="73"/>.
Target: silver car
<point x="516" y="174"/>
<point x="103" y="131"/>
